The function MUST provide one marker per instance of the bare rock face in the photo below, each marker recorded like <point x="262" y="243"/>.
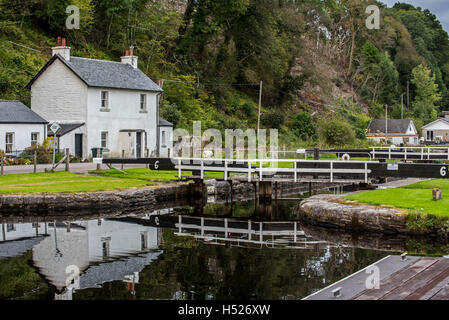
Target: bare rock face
<point x="329" y="210"/>
<point x="437" y="194"/>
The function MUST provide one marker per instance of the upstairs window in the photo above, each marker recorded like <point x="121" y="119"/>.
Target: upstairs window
<point x="104" y="99"/>
<point x="9" y="142"/>
<point x="34" y="138"/>
<point x="143" y="102"/>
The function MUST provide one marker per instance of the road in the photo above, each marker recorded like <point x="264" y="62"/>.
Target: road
<point x="74" y="167"/>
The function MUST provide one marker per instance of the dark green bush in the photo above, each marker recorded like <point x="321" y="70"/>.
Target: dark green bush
<point x="338" y="133"/>
<point x="273" y="120"/>
<point x="170" y="112"/>
<point x="304" y="126"/>
<point x="44" y="155"/>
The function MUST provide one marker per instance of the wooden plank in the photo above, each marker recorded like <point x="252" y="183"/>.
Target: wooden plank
<point x="396" y="280"/>
<point x="429" y="280"/>
<point x="443" y="294"/>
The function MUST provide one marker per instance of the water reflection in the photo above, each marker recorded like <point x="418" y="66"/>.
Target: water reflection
<point x="223" y="251"/>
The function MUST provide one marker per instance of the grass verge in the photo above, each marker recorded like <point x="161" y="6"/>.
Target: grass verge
<point x="64" y="182"/>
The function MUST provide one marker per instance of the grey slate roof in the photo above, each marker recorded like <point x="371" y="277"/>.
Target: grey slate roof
<point x="394" y="126"/>
<point x="15" y="248"/>
<point x="96" y="275"/>
<point x="16" y="112"/>
<point x="165" y="123"/>
<point x="65" y="128"/>
<point x="105" y="74"/>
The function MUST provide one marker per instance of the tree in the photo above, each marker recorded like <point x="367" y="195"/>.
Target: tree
<point x="427" y="93"/>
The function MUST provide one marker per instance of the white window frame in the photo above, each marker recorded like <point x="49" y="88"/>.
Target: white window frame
<point x="105" y="140"/>
<point x="11" y="144"/>
<point x="104" y="98"/>
<point x="163" y="136"/>
<point x="143" y="102"/>
<point x="36" y="141"/>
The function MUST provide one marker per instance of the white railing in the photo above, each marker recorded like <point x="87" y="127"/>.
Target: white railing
<point x="222" y="165"/>
<point x="425" y="153"/>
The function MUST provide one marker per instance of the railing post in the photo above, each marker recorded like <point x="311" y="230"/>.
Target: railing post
<point x="123" y="156"/>
<point x="249" y="171"/>
<point x="67" y="160"/>
<point x="226" y="170"/>
<point x="202" y="168"/>
<point x="35" y="161"/>
<point x="261" y="171"/>
<point x="250" y="230"/>
<point x="3" y="164"/>
<point x="332" y="173"/>
<point x="296" y="171"/>
<point x="366" y="172"/>
<point x="179" y="169"/>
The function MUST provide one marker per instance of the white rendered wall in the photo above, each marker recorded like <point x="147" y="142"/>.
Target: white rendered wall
<point x="124" y="114"/>
<point x="22" y="135"/>
<point x="168" y="146"/>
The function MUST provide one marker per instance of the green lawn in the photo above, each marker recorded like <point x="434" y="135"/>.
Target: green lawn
<point x="417" y="197"/>
<point x="63" y="182"/>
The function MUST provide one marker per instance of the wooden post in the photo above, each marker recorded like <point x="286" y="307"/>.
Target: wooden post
<point x="35" y="161"/>
<point x="67" y="160"/>
<point x="123" y="156"/>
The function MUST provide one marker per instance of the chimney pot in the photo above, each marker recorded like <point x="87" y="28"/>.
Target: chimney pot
<point x="59" y="41"/>
<point x="63" y="42"/>
<point x="131" y="51"/>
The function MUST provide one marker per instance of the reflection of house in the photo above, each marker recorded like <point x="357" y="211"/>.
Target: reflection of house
<point x="101" y="250"/>
<point x="117" y="103"/>
<point x="437" y="130"/>
<point x="20" y="127"/>
<point x="395" y="130"/>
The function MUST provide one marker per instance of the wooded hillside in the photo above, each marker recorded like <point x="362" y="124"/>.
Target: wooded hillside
<point x="324" y="73"/>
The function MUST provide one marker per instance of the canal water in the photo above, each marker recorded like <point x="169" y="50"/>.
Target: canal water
<point x="185" y="251"/>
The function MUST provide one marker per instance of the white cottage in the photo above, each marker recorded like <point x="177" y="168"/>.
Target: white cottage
<point x="20" y="127"/>
<point x="438" y="130"/>
<point x="99" y="104"/>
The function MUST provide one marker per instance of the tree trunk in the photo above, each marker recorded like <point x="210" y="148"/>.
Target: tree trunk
<point x="351" y="55"/>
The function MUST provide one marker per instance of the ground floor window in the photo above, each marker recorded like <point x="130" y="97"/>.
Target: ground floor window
<point x="9" y="142"/>
<point x="104" y="140"/>
<point x="163" y="138"/>
<point x="429" y="135"/>
<point x="34" y="138"/>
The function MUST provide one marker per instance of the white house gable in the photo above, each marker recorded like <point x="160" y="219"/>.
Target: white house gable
<point x="59" y="94"/>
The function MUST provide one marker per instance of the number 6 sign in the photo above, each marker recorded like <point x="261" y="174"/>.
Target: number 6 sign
<point x="443" y="171"/>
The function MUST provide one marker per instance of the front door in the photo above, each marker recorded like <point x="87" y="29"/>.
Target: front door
<point x="139" y="145"/>
<point x="79" y="145"/>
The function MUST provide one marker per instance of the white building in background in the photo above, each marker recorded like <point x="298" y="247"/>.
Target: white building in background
<point x="20" y="127"/>
<point x="99" y="104"/>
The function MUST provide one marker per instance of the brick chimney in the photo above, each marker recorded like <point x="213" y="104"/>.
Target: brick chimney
<point x="130" y="58"/>
<point x="61" y="49"/>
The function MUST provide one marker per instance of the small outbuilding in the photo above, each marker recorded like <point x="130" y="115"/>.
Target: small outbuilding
<point x="438" y="130"/>
<point x="20" y="127"/>
<point x="166" y="138"/>
<point x="395" y="130"/>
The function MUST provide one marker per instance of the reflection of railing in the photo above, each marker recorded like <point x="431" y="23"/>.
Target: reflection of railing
<point x="241" y="232"/>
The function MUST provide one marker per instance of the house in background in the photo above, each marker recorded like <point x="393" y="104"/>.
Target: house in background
<point x="395" y="130"/>
<point x="438" y="130"/>
<point x="20" y="127"/>
<point x="110" y="105"/>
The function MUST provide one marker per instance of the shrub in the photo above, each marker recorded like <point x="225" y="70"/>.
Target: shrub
<point x="171" y="113"/>
<point x="273" y="120"/>
<point x="44" y="154"/>
<point x="360" y="133"/>
<point x="304" y="126"/>
<point x="338" y="133"/>
<point x="248" y="108"/>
